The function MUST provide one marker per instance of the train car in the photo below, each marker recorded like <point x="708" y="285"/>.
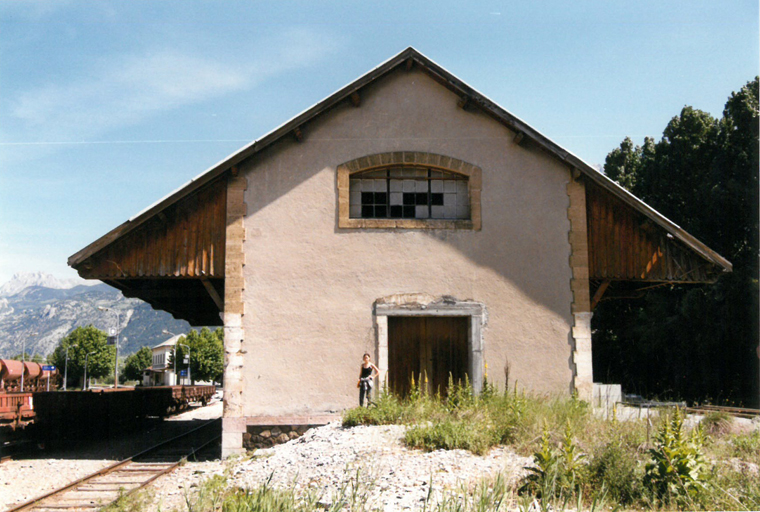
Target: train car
<point x="18" y="381"/>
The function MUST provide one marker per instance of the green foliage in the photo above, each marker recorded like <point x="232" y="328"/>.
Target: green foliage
<point x="717" y="423"/>
<point x="206" y="354"/>
<point x="136" y="363"/>
<point x="82" y="341"/>
<point x="614" y="466"/>
<point x="678" y="470"/>
<point x="692" y="342"/>
<point x="26" y="356"/>
<point x="386" y="410"/>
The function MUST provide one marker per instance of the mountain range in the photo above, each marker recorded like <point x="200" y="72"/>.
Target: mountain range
<point x="37" y="310"/>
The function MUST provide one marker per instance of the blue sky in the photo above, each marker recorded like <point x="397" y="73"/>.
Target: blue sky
<point x="107" y="106"/>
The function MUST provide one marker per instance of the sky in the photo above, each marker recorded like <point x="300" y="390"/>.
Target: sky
<point x="107" y="106"/>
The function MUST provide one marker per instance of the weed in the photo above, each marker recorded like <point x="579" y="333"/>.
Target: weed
<point x="678" y="469"/>
<point x="717" y="423"/>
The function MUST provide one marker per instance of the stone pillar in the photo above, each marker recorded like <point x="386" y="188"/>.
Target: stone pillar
<point x="583" y="375"/>
<point x="233" y="420"/>
<point x="381" y="331"/>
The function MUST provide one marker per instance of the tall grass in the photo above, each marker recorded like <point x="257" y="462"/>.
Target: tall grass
<point x="579" y="456"/>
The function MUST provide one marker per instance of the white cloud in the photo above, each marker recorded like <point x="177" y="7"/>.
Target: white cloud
<point x="130" y="88"/>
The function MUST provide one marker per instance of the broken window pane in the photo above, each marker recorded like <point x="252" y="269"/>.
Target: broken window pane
<point x="409" y="193"/>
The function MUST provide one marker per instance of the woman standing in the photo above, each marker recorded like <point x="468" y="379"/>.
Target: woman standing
<point x="367" y="374"/>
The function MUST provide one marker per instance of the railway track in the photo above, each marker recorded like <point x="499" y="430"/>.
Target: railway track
<point x="740" y="412"/>
<point x="103" y="487"/>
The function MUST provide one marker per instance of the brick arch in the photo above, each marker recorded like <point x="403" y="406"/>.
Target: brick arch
<point x="412" y="159"/>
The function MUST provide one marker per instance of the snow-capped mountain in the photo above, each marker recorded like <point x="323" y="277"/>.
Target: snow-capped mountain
<point x="22" y="280"/>
<point x="37" y="310"/>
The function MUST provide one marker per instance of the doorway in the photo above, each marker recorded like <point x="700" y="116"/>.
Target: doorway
<point x="430" y="347"/>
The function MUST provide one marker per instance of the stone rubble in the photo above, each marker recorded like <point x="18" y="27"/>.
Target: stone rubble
<point x="328" y="461"/>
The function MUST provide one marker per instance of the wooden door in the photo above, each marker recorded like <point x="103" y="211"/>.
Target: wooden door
<point x="429" y="348"/>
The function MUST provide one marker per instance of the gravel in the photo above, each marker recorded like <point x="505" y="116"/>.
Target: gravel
<point x="323" y="461"/>
<point x="327" y="459"/>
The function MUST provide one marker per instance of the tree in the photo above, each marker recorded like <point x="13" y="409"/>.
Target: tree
<point x="82" y="341"/>
<point x="136" y="363"/>
<point x="35" y="358"/>
<point x="206" y="354"/>
<point x="692" y="342"/>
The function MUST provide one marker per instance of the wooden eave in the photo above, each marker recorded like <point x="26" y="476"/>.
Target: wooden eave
<point x="469" y="99"/>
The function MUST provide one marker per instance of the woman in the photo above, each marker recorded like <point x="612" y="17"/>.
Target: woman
<point x="367" y="373"/>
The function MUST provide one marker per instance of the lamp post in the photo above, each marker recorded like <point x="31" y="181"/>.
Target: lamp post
<point x="176" y="376"/>
<point x="116" y="344"/>
<point x="188" y="361"/>
<point x="86" y="362"/>
<point x="66" y="367"/>
<point x="23" y="358"/>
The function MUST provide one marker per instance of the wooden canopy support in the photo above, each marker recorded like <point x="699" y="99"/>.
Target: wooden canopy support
<point x="213" y="293"/>
<point x="298" y="134"/>
<point x="356" y="99"/>
<point x="599" y="293"/>
<point x="519" y="138"/>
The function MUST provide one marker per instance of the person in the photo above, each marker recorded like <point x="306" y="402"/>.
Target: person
<point x="367" y="374"/>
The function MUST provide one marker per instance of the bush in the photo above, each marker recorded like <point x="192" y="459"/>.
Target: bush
<point x="717" y="423"/>
<point x="615" y="468"/>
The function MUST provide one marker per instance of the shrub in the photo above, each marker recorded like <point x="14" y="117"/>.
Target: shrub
<point x="717" y="423"/>
<point x="614" y="467"/>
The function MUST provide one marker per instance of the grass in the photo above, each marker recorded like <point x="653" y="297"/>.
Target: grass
<point x="580" y="460"/>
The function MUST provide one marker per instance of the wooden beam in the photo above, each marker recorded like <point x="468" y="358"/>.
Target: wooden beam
<point x="466" y="103"/>
<point x="519" y="138"/>
<point x="298" y="134"/>
<point x="599" y="292"/>
<point x="234" y="171"/>
<point x="213" y="293"/>
<point x="409" y="63"/>
<point x="577" y="174"/>
<point x="356" y="100"/>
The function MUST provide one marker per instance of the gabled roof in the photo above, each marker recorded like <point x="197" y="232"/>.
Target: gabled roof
<point x="408" y="57"/>
<point x="170" y="342"/>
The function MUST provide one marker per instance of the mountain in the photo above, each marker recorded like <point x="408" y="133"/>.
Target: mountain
<point x="39" y="309"/>
<point x="22" y="280"/>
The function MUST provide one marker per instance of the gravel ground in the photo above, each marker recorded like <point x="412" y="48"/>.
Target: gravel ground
<point x="328" y="458"/>
<point x="324" y="460"/>
<point x="37" y="474"/>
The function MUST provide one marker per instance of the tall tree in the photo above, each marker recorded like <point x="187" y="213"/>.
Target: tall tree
<point x="82" y="341"/>
<point x="693" y="342"/>
<point x="136" y="363"/>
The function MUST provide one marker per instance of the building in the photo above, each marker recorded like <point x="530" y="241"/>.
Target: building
<point x="408" y="216"/>
<point x="160" y="372"/>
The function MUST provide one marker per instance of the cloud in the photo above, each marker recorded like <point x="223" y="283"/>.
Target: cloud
<point x="130" y="88"/>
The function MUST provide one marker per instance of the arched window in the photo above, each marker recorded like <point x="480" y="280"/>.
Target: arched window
<point x="411" y="190"/>
<point x="409" y="193"/>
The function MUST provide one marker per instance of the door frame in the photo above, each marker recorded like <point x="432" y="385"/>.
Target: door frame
<point x="446" y="306"/>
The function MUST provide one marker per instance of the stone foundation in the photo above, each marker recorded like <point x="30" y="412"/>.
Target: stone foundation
<point x="264" y="436"/>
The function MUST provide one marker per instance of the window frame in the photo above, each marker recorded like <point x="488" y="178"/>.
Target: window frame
<point x="406" y="159"/>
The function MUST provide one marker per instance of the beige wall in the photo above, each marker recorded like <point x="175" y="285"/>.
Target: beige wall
<point x="310" y="286"/>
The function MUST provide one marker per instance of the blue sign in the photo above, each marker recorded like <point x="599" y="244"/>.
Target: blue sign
<point x="183" y="373"/>
<point x="48" y="367"/>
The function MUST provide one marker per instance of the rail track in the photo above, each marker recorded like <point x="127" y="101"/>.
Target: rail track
<point x="103" y="487"/>
<point x="740" y="412"/>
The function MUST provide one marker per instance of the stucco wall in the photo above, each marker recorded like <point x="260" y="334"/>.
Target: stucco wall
<point x="310" y="286"/>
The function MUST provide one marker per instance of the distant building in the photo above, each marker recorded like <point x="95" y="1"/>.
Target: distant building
<point x="160" y="373"/>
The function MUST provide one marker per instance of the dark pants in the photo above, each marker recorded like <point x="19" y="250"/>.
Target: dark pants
<point x="364" y="390"/>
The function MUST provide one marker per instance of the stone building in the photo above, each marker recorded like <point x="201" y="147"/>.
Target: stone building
<point x="407" y="216"/>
